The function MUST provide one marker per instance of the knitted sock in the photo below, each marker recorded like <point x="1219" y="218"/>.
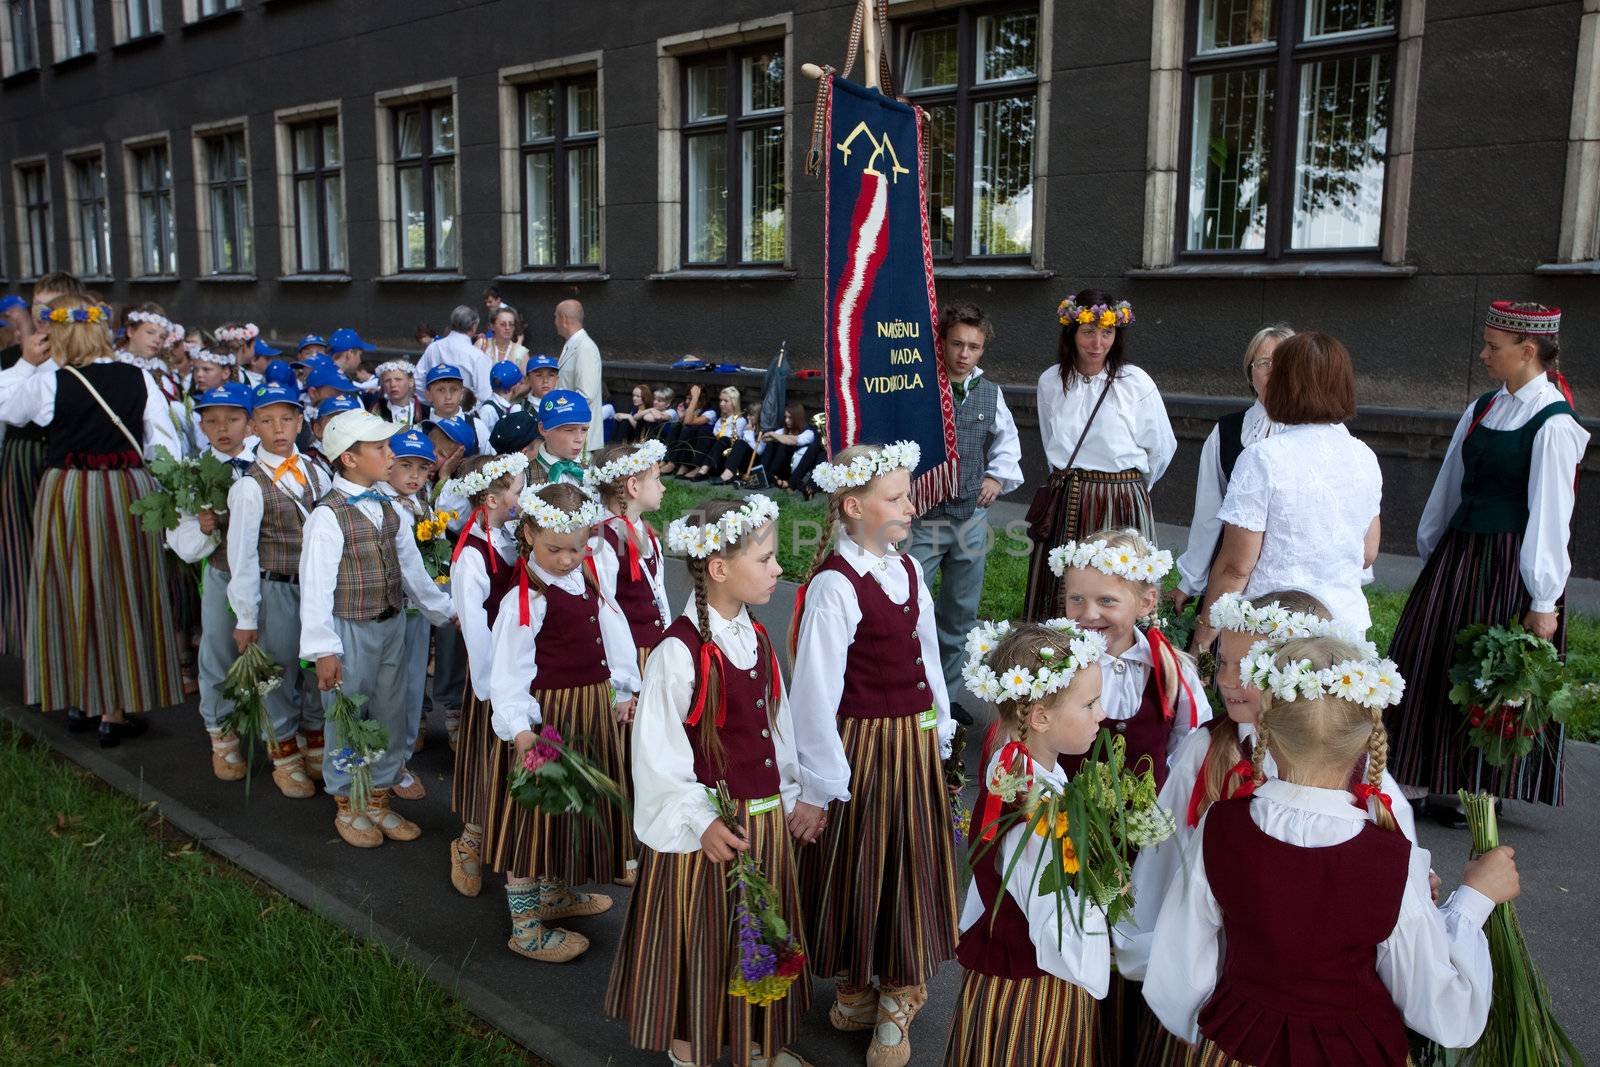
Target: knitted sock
<point x="472" y="837"/>
<point x="522" y="898"/>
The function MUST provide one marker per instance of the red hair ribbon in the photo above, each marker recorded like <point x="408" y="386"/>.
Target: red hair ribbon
<point x="775" y="684"/>
<point x="709" y="652"/>
<point x="466" y="532"/>
<point x="990" y="819"/>
<point x="1365" y="791"/>
<point x="1566" y="390"/>
<point x="633" y="544"/>
<point x="1246" y="787"/>
<point x="1157" y="639"/>
<point x="522" y="592"/>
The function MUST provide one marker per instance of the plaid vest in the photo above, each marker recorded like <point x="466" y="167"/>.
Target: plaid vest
<point x="975" y="428"/>
<point x="282" y="523"/>
<point x="369" y="570"/>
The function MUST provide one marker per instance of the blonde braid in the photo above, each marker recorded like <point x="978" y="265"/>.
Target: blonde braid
<point x="1377" y="759"/>
<point x="710" y="683"/>
<point x="1258" y="755"/>
<point x="830" y="528"/>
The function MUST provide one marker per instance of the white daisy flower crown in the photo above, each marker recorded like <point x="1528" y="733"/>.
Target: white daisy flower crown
<point x="150" y="316"/>
<point x="1127" y="563"/>
<point x="638" y="461"/>
<point x="901" y="455"/>
<point x="701" y="541"/>
<point x="407" y="368"/>
<point x="205" y="355"/>
<point x="547" y="516"/>
<point x="470" y="485"/>
<point x="175" y="334"/>
<point x="1371" y="682"/>
<point x="238" y="335"/>
<point x="1274" y="622"/>
<point x="1083" y="649"/>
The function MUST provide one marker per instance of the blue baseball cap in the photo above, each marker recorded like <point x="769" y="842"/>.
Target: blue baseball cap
<point x="326" y="374"/>
<point x="505" y="374"/>
<point x="513" y="433"/>
<point x="12" y="302"/>
<point x="226" y="395"/>
<point x="543" y="362"/>
<point x="344" y="339"/>
<point x="413" y="442"/>
<point x="307" y="341"/>
<point x="335" y="404"/>
<point x="314" y="360"/>
<point x="264" y="349"/>
<point x="274" y="394"/>
<point x="280" y="373"/>
<point x="458" y="429"/>
<point x="442" y="372"/>
<point x="563" y="407"/>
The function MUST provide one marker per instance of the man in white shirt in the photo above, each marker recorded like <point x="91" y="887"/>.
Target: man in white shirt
<point x="580" y="367"/>
<point x="456" y="348"/>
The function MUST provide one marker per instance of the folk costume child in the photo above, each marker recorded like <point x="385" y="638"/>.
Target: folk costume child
<point x="446" y="391"/>
<point x="224" y="415"/>
<point x="1034" y="969"/>
<point x="1308" y="889"/>
<point x="482" y="570"/>
<point x="207" y="370"/>
<point x="267" y="510"/>
<point x="712" y="711"/>
<point x="396" y="399"/>
<point x="543" y="373"/>
<point x="359" y="564"/>
<point x="872" y="723"/>
<point x="563" y="413"/>
<point x="455" y="440"/>
<point x="559" y="658"/>
<point x="407" y="483"/>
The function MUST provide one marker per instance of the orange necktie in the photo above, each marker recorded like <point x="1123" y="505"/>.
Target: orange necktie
<point x="289" y="466"/>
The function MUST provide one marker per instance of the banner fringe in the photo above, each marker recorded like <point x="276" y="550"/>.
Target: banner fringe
<point x="934" y="486"/>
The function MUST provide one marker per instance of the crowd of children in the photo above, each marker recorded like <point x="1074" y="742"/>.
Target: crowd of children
<point x="1289" y="921"/>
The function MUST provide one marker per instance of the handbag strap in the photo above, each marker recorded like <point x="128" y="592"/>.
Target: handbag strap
<point x="98" y="399"/>
<point x="1092" y="413"/>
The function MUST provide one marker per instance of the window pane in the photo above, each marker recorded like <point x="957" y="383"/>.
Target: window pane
<point x="1236" y="23"/>
<point x="144" y="16"/>
<point x="708" y="199"/>
<point x="222" y="244"/>
<point x="243" y="237"/>
<point x="306" y="214"/>
<point x="413" y="220"/>
<point x="1339" y="153"/>
<point x="149" y="235"/>
<point x="540" y="224"/>
<point x="583" y="206"/>
<point x="305" y="147"/>
<point x="24" y="54"/>
<point x="763" y="82"/>
<point x="78" y="26"/>
<point x="761" y="178"/>
<point x="583" y="106"/>
<point x="932" y="63"/>
<point x="708" y="92"/>
<point x="539" y="113"/>
<point x="216" y="160"/>
<point x="331" y="156"/>
<point x="445" y="238"/>
<point x="444" y="128"/>
<point x="1007" y="46"/>
<point x="333" y="221"/>
<point x="169" y="233"/>
<point x="1228" y="171"/>
<point x="941" y="134"/>
<point x="1002" y="177"/>
<point x="409" y="137"/>
<point x="1324" y="18"/>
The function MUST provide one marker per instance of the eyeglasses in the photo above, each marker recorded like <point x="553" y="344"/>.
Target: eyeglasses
<point x="1261" y="364"/>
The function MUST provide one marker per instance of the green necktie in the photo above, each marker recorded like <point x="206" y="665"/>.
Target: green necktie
<point x="565" y="466"/>
<point x="959" y="390"/>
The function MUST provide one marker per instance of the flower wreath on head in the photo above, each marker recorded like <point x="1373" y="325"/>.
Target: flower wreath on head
<point x="238" y="335"/>
<point x="901" y="455"/>
<point x="470" y="485"/>
<point x="1371" y="682"/>
<point x="150" y="316"/>
<point x="175" y="334"/>
<point x="1014" y="682"/>
<point x="205" y="355"/>
<point x="93" y="313"/>
<point x="1126" y="563"/>
<point x="1274" y="622"/>
<point x="547" y="516"/>
<point x="1070" y="313"/>
<point x="700" y="541"/>
<point x="638" y="461"/>
<point x="404" y="367"/>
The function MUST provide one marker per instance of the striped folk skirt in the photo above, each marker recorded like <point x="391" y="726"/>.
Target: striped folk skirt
<point x="99" y="632"/>
<point x="1160" y="1047"/>
<point x="1086" y="503"/>
<point x="1469" y="578"/>
<point x="21" y="467"/>
<point x="472" y="780"/>
<point x="531" y="844"/>
<point x="879" y="885"/>
<point x="670" y="977"/>
<point x="1023" y="1022"/>
<point x="1207" y="1054"/>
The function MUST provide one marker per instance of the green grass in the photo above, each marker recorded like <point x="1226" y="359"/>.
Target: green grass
<point x="122" y="943"/>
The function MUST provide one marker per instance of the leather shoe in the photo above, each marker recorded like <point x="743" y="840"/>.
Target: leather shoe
<point x="78" y="722"/>
<point x="113" y="734"/>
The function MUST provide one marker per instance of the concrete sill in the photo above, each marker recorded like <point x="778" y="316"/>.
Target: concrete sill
<point x="1590" y="266"/>
<point x="17" y="77"/>
<point x="98" y="279"/>
<point x="735" y="274"/>
<point x="207" y="21"/>
<point x="68" y="62"/>
<point x="424" y="278"/>
<point x="1327" y="268"/>
<point x="559" y="277"/>
<point x="155" y="279"/>
<point x="975" y="273"/>
<point x="315" y="279"/>
<point x="135" y="43"/>
<point x="226" y="279"/>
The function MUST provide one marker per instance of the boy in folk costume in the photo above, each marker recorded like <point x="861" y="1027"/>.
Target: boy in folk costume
<point x="359" y="564"/>
<point x="223" y="414"/>
<point x="562" y="414"/>
<point x="267" y="510"/>
<point x="408" y="479"/>
<point x="504" y="377"/>
<point x="446" y="391"/>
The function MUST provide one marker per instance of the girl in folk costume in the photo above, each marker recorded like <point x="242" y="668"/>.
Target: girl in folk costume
<point x="482" y="570"/>
<point x="559" y="657"/>
<point x="872" y="722"/>
<point x="208" y="370"/>
<point x="396" y="399"/>
<point x="1494" y="534"/>
<point x="1302" y="932"/>
<point x="1106" y="437"/>
<point x="1034" y="968"/>
<point x="414" y="460"/>
<point x="712" y="712"/>
<point x="146" y="331"/>
<point x="98" y="640"/>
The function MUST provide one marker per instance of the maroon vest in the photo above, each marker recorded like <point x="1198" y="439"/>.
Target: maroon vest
<point x="502" y="576"/>
<point x="884" y="677"/>
<point x="635" y="596"/>
<point x="750" y="761"/>
<point x="569" y="652"/>
<point x="1299" y="984"/>
<point x="998" y="944"/>
<point x="1146" y="732"/>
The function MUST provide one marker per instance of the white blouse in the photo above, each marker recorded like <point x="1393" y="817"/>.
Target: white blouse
<point x="607" y="566"/>
<point x="822" y="648"/>
<point x="671" y="808"/>
<point x="1313" y="490"/>
<point x="1080" y="954"/>
<point x="1131" y="432"/>
<point x="1558" y="448"/>
<point x="29" y="395"/>
<point x="513" y="647"/>
<point x="469" y="587"/>
<point x="1205" y="529"/>
<point x="1435" y="963"/>
<point x="1122" y="685"/>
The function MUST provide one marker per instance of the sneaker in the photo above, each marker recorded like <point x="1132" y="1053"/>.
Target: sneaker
<point x="354" y="826"/>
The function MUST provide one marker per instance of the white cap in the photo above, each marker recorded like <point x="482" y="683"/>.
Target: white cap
<point x="349" y="427"/>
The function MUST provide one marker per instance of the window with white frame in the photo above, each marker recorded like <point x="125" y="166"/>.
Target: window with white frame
<point x="21" y="51"/>
<point x="152" y="227"/>
<point x="74" y="27"/>
<point x="226" y="237"/>
<point x="89" y="215"/>
<point x="136" y="18"/>
<point x="33" y="217"/>
<point x="734" y="157"/>
<point x="317" y="163"/>
<point x="559" y="123"/>
<point x="975" y="71"/>
<point x="424" y="138"/>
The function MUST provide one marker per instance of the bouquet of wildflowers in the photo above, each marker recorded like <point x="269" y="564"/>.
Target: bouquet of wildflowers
<point x="558" y="780"/>
<point x="770" y="956"/>
<point x="362" y="743"/>
<point x="433" y="541"/>
<point x="187" y="486"/>
<point x="1512" y="686"/>
<point x="248" y="681"/>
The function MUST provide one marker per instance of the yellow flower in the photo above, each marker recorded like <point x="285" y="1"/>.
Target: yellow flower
<point x="1042" y="827"/>
<point x="1069" y="856"/>
<point x="1108" y="318"/>
<point x="443" y="579"/>
<point x="1085" y="316"/>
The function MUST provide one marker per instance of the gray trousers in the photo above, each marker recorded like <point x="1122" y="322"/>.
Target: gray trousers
<point x="373" y="661"/>
<point x="293" y="706"/>
<point x="955" y="551"/>
<point x="449" y="669"/>
<point x="217" y="650"/>
<point x="415" y="665"/>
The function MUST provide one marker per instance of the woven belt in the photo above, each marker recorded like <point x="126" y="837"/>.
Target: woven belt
<point x="1079" y="474"/>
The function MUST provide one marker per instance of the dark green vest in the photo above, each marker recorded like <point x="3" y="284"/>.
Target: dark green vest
<point x="1494" y="471"/>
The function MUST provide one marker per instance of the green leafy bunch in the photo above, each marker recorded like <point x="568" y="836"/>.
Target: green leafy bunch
<point x="1511" y="685"/>
<point x="188" y="486"/>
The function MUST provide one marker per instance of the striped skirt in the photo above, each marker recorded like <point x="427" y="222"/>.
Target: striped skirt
<point x="879" y="885"/>
<point x="472" y="780"/>
<point x="1207" y="1054"/>
<point x="1026" y="1022"/>
<point x="531" y="844"/>
<point x="670" y="977"/>
<point x="99" y="632"/>
<point x="1160" y="1047"/>
<point x="1125" y="1021"/>
<point x="183" y="586"/>
<point x="1469" y="578"/>
<point x="21" y="467"/>
<point x="1087" y="502"/>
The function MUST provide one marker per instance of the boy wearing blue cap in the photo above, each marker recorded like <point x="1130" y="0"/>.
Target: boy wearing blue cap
<point x="311" y="344"/>
<point x="325" y="380"/>
<point x="504" y="378"/>
<point x="564" y="424"/>
<point x="414" y="459"/>
<point x="224" y="415"/>
<point x="345" y="348"/>
<point x="446" y="391"/>
<point x="454" y="439"/>
<point x="543" y="374"/>
<point x="359" y="564"/>
<point x="267" y="510"/>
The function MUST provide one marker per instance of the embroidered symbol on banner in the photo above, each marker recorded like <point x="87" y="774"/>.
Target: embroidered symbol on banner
<point x="880" y="146"/>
